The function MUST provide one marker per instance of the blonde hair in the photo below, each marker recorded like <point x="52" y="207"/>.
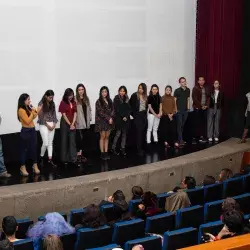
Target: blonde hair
<point x="52" y="242"/>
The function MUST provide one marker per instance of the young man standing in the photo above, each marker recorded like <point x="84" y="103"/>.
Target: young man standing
<point x="3" y="171"/>
<point x="182" y="97"/>
<point x="200" y="96"/>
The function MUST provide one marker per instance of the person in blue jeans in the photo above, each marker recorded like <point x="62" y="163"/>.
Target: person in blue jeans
<point x="3" y="171"/>
<point x="182" y="98"/>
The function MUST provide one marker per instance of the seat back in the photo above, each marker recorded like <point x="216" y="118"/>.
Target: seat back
<point x="180" y="238"/>
<point x="213" y="192"/>
<point x="196" y="196"/>
<point x="68" y="241"/>
<point x="75" y="216"/>
<point x="247" y="183"/>
<point x="128" y="230"/>
<point x="91" y="238"/>
<point x="212" y="228"/>
<point x="23" y="226"/>
<point x="108" y="247"/>
<point x="212" y="211"/>
<point x="233" y="187"/>
<point x="162" y="199"/>
<point x="161" y="223"/>
<point x="23" y="245"/>
<point x="133" y="206"/>
<point x="148" y="243"/>
<point x="190" y="217"/>
<point x="244" y="201"/>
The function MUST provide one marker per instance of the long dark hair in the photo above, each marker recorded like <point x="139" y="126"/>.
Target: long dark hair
<point x="101" y="100"/>
<point x="144" y="87"/>
<point x="85" y="99"/>
<point x="154" y="86"/>
<point x="125" y="97"/>
<point x="48" y="106"/>
<point x="21" y="104"/>
<point x="68" y="92"/>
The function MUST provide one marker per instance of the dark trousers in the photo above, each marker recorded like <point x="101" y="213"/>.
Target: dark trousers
<point x="167" y="130"/>
<point x="140" y="125"/>
<point x="213" y="122"/>
<point x="199" y="123"/>
<point x="119" y="132"/>
<point x="68" y="142"/>
<point x="79" y="139"/>
<point x="28" y="145"/>
<point x="181" y="118"/>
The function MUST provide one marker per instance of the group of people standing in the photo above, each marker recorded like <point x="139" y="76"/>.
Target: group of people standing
<point x="153" y="115"/>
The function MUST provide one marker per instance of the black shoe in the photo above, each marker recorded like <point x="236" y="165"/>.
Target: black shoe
<point x="103" y="156"/>
<point x="114" y="152"/>
<point x="123" y="152"/>
<point x="107" y="156"/>
<point x="140" y="152"/>
<point x="51" y="163"/>
<point x="41" y="162"/>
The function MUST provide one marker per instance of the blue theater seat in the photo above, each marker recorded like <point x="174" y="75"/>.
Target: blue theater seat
<point x="128" y="230"/>
<point x="149" y="243"/>
<point x="23" y="226"/>
<point x="247" y="183"/>
<point x="213" y="192"/>
<point x="68" y="241"/>
<point x="75" y="216"/>
<point x="190" y="217"/>
<point x="244" y="201"/>
<point x="180" y="238"/>
<point x="196" y="196"/>
<point x="91" y="238"/>
<point x="212" y="228"/>
<point x="109" y="247"/>
<point x="161" y="223"/>
<point x="162" y="199"/>
<point x="133" y="206"/>
<point x="233" y="187"/>
<point x="23" y="245"/>
<point x="212" y="211"/>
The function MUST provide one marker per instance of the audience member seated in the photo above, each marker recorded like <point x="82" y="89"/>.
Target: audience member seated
<point x="225" y="174"/>
<point x="149" y="206"/>
<point x="233" y="226"/>
<point x="92" y="218"/>
<point x="177" y="201"/>
<point x="53" y="223"/>
<point x="208" y="180"/>
<point x="228" y="205"/>
<point x="6" y="245"/>
<point x="137" y="192"/>
<point x="9" y="226"/>
<point x="188" y="183"/>
<point x="52" y="242"/>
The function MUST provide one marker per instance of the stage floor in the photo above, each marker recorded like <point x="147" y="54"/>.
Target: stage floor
<point x="153" y="154"/>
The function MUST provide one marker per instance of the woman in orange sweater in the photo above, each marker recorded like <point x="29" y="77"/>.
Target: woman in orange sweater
<point x="26" y="114"/>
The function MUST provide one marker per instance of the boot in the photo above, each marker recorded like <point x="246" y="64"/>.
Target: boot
<point x="23" y="171"/>
<point x="41" y="161"/>
<point x="244" y="136"/>
<point x="36" y="169"/>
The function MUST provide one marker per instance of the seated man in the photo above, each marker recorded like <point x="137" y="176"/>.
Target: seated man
<point x="6" y="245"/>
<point x="10" y="227"/>
<point x="188" y="183"/>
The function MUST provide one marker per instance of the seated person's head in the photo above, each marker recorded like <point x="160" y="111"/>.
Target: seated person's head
<point x="189" y="182"/>
<point x="230" y="204"/>
<point x="225" y="174"/>
<point x="208" y="180"/>
<point x="149" y="199"/>
<point x="10" y="227"/>
<point x="138" y="247"/>
<point x="6" y="245"/>
<point x="93" y="217"/>
<point x="137" y="192"/>
<point x="52" y="242"/>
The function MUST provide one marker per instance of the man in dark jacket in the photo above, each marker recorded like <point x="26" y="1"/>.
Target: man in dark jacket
<point x="200" y="96"/>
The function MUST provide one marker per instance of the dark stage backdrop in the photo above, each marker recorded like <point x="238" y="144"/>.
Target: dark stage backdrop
<point x="219" y="54"/>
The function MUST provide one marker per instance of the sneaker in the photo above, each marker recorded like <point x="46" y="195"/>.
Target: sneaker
<point x="210" y="140"/>
<point x="202" y="140"/>
<point x="5" y="175"/>
<point x="216" y="139"/>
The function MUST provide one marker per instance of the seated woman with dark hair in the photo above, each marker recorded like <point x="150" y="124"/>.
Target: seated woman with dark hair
<point x="137" y="192"/>
<point x="208" y="180"/>
<point x="149" y="206"/>
<point x="225" y="174"/>
<point x="228" y="205"/>
<point x="92" y="218"/>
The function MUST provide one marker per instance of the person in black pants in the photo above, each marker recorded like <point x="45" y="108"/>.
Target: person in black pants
<point x="139" y="106"/>
<point x="122" y="118"/>
<point x="182" y="97"/>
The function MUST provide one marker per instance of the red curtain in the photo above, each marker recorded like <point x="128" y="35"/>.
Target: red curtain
<point x="219" y="43"/>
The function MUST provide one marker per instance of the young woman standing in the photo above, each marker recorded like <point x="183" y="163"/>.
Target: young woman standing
<point x="154" y="114"/>
<point x="139" y="106"/>
<point x="216" y="102"/>
<point x="67" y="126"/>
<point x="168" y="132"/>
<point x="122" y="118"/>
<point x="47" y="121"/>
<point x="26" y="113"/>
<point x="104" y="120"/>
<point x="83" y="118"/>
<point x="247" y="124"/>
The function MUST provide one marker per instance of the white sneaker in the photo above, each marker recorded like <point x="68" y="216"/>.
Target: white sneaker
<point x="210" y="139"/>
<point x="216" y="139"/>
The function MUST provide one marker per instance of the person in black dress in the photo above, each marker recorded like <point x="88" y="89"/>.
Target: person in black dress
<point x="139" y="106"/>
<point x="122" y="117"/>
<point x="104" y="120"/>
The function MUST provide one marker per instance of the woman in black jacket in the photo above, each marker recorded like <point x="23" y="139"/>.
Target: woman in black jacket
<point x="139" y="106"/>
<point x="122" y="117"/>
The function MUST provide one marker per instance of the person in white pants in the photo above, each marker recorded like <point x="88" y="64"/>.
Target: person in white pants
<point x="154" y="113"/>
<point x="47" y="121"/>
